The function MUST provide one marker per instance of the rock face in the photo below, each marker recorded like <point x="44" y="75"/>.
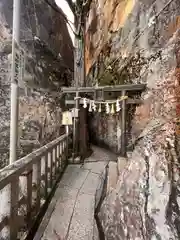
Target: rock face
<point x="112" y="176"/>
<point x="106" y="130"/>
<point x="143" y="38"/>
<point x="105" y="32"/>
<point x="48" y="65"/>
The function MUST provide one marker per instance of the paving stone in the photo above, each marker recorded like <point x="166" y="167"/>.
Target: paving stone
<point x="91" y="184"/>
<point x="72" y="167"/>
<point x="60" y="219"/>
<point x="75" y="200"/>
<point x="100" y="154"/>
<point x="74" y="178"/>
<point x="66" y="192"/>
<point x="83" y="218"/>
<point x="112" y="176"/>
<point x="121" y="163"/>
<point x="56" y="218"/>
<point x="96" y="167"/>
<point x="95" y="231"/>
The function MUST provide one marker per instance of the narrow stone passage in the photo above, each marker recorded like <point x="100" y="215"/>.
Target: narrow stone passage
<point x="71" y="212"/>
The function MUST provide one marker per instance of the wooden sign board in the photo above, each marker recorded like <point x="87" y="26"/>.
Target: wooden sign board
<point x="75" y="112"/>
<point x="67" y="118"/>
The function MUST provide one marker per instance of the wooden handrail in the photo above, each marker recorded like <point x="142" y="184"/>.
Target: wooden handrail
<point x="20" y="166"/>
<point x="26" y="178"/>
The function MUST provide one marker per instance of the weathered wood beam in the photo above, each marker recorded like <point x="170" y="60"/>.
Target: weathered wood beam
<point x="116" y="88"/>
<point x="128" y="101"/>
<point x="76" y="130"/>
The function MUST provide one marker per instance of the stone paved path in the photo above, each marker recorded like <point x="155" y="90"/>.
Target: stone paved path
<point x="70" y="215"/>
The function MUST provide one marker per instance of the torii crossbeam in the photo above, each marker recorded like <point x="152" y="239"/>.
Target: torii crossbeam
<point x="101" y="93"/>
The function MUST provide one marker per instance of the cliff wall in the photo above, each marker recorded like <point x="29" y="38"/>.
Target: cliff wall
<point x="138" y="42"/>
<point x="48" y="65"/>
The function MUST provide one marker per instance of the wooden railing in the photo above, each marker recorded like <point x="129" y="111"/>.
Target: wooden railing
<point x="26" y="185"/>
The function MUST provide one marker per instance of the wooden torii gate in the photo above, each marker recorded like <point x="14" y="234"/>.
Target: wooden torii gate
<point x="103" y="93"/>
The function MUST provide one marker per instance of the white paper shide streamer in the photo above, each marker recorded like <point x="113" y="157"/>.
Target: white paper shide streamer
<point x="118" y="108"/>
<point x="93" y="106"/>
<point x="90" y="106"/>
<point x="99" y="110"/>
<point x="111" y="106"/>
<point x="107" y="108"/>
<point x="84" y="103"/>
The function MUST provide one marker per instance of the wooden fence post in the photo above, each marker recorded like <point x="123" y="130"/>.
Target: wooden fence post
<point x="5" y="196"/>
<point x="76" y="129"/>
<point x="29" y="198"/>
<point x="14" y="209"/>
<point x="123" y="126"/>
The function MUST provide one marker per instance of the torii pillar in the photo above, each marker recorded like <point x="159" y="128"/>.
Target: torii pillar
<point x="84" y="144"/>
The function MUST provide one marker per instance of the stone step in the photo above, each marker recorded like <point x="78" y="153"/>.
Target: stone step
<point x="112" y="176"/>
<point x="121" y="163"/>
